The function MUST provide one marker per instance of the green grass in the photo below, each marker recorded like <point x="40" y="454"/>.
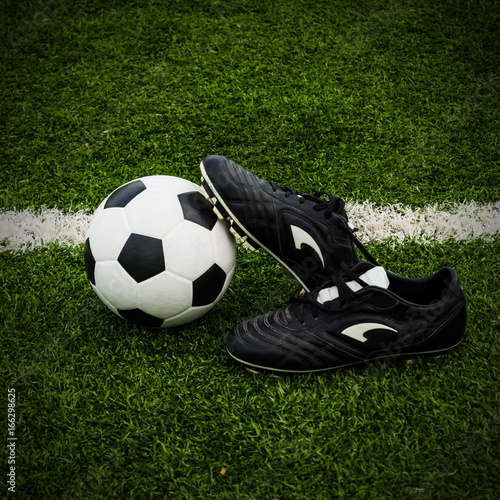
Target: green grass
<point x="107" y="410"/>
<point x="395" y="102"/>
<point x="373" y="101"/>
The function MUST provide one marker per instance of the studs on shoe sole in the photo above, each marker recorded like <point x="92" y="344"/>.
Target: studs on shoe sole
<point x="218" y="210"/>
<point x="241" y="239"/>
<point x="204" y="191"/>
<point x="219" y="215"/>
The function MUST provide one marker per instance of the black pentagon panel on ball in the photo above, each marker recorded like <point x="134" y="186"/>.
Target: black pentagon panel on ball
<point x="125" y="194"/>
<point x="89" y="261"/>
<point x="208" y="286"/>
<point x="142" y="257"/>
<point x="196" y="208"/>
<point x="140" y="317"/>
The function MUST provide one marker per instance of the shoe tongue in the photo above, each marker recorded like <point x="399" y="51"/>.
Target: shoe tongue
<point x="376" y="276"/>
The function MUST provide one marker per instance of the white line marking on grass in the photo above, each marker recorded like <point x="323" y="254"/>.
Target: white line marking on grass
<point x="28" y="229"/>
<point x="432" y="223"/>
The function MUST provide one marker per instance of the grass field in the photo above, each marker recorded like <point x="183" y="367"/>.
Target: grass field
<point x="395" y="102"/>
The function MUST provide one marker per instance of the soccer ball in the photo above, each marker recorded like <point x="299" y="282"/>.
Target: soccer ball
<point x="156" y="254"/>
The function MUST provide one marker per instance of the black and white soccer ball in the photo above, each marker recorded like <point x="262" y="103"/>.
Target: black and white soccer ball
<point x="156" y="254"/>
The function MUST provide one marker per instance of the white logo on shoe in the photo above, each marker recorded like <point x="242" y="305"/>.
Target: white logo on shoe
<point x="301" y="237"/>
<point x="358" y="331"/>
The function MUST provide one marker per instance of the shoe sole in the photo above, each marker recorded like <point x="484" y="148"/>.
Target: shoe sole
<point x="407" y="356"/>
<point x="237" y="229"/>
<point x="223" y="214"/>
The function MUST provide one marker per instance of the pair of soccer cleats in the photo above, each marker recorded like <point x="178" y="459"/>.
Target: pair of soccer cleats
<point x="353" y="311"/>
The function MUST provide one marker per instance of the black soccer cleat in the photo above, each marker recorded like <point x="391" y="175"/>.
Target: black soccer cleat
<point x="361" y="315"/>
<point x="309" y="235"/>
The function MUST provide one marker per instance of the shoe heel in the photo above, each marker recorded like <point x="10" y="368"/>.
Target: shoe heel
<point x="449" y="336"/>
<point x="455" y="330"/>
<point x="222" y="214"/>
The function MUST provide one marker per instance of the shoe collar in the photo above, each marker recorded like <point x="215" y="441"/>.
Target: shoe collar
<point x="366" y="273"/>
